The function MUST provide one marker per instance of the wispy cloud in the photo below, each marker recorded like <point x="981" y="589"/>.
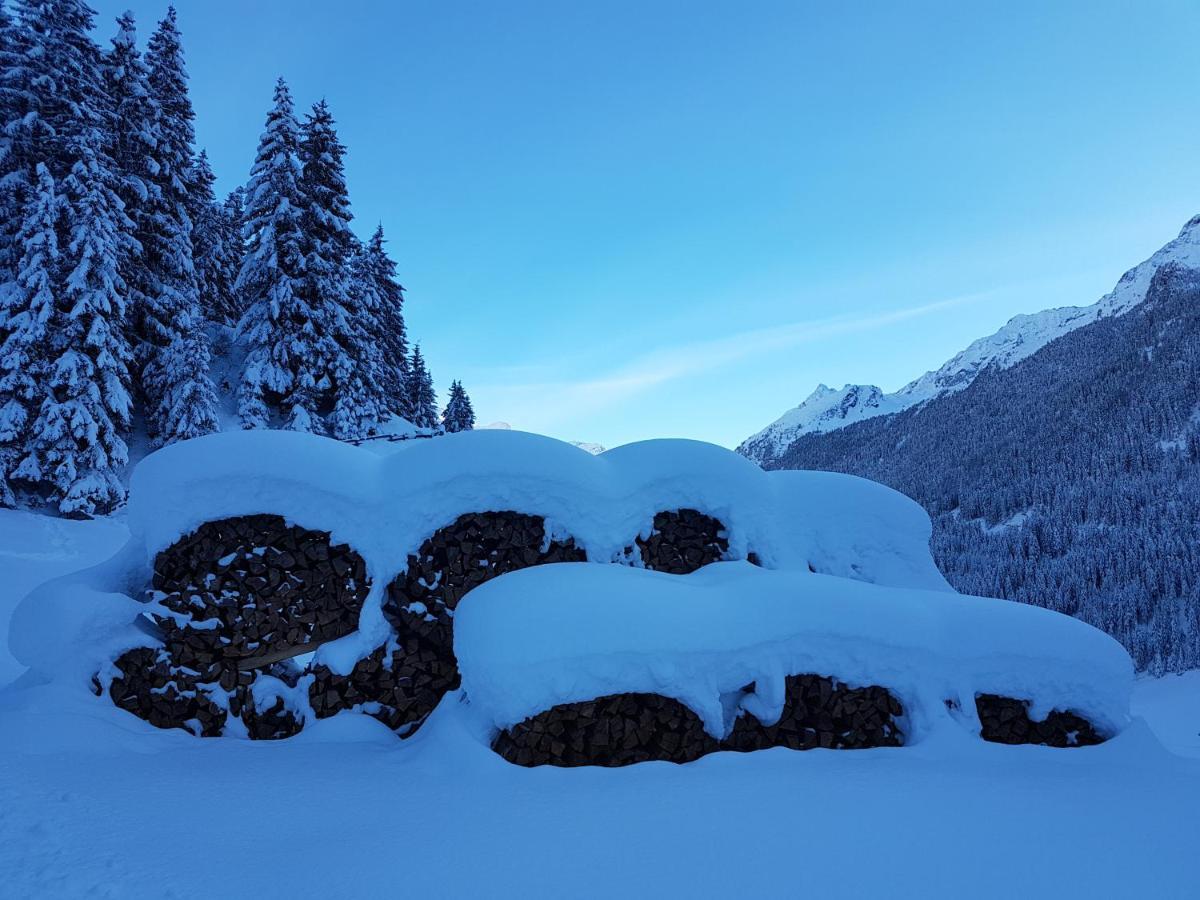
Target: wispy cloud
<point x="540" y="403"/>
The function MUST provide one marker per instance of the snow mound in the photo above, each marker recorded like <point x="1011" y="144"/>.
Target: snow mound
<point x="385" y="505"/>
<point x="574" y="632"/>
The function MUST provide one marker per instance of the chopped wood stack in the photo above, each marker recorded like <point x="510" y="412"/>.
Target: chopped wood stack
<point x="252" y="585"/>
<point x="151" y="687"/>
<point x="823" y="712"/>
<point x="1005" y="720"/>
<point x="399" y="684"/>
<point x="269" y="721"/>
<point x="475" y="548"/>
<point x="617" y="730"/>
<point x="244" y="592"/>
<point x="622" y="729"/>
<point x="683" y="541"/>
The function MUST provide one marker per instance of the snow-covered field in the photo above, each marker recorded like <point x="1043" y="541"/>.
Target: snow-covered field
<point x="93" y="802"/>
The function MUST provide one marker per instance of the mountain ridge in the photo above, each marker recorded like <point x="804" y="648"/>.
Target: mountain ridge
<point x="1023" y="335"/>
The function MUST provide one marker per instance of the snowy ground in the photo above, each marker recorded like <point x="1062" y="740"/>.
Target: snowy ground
<point x="95" y="803"/>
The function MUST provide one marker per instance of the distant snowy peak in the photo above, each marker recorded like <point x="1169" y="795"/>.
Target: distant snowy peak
<point x="825" y="410"/>
<point x="594" y="449"/>
<point x="1022" y="336"/>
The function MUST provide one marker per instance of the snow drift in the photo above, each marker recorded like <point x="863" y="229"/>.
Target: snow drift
<point x="570" y="632"/>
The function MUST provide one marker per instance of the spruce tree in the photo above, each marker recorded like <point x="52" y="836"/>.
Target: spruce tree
<point x="276" y="334"/>
<point x="458" y="414"/>
<point x="175" y="353"/>
<point x="214" y="248"/>
<point x="27" y="310"/>
<point x="342" y="364"/>
<point x="74" y="448"/>
<point x="133" y="145"/>
<point x="422" y="399"/>
<point x="76" y="445"/>
<point x="13" y="102"/>
<point x="383" y="302"/>
<point x="232" y="248"/>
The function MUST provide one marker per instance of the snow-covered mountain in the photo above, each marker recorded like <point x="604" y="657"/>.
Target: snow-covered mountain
<point x="826" y="409"/>
<point x="591" y="447"/>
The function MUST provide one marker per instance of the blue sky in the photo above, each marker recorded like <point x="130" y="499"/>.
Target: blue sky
<point x="627" y="220"/>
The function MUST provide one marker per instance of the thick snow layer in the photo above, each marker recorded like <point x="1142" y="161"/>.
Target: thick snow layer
<point x="386" y="505"/>
<point x="1021" y="337"/>
<point x="1171" y="707"/>
<point x="571" y="632"/>
<point x="95" y="803"/>
<point x="34" y="548"/>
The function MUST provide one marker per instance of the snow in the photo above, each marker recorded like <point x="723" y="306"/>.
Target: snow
<point x="1171" y="707"/>
<point x="591" y="447"/>
<point x="34" y="548"/>
<point x="385" y="505"/>
<point x="825" y="409"/>
<point x="97" y="804"/>
<point x="572" y="632"/>
<point x="94" y="802"/>
<point x="1022" y="336"/>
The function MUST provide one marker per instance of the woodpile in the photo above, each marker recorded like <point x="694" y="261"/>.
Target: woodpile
<point x="823" y="712"/>
<point x="622" y="729"/>
<point x="253" y="585"/>
<point x="683" y="540"/>
<point x="149" y="685"/>
<point x="399" y="684"/>
<point x="476" y="548"/>
<point x="617" y="730"/>
<point x="245" y="593"/>
<point x="1005" y="720"/>
<point x="267" y="718"/>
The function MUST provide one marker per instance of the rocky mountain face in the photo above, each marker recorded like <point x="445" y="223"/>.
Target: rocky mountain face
<point x="826" y="409"/>
<point x="1066" y="475"/>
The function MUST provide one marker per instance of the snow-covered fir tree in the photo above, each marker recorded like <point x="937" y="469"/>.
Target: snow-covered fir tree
<point x="75" y="447"/>
<point x="133" y="146"/>
<point x="344" y="362"/>
<point x="421" y="397"/>
<point x="25" y="313"/>
<point x="77" y="444"/>
<point x="458" y="414"/>
<point x="216" y="247"/>
<point x="274" y="327"/>
<point x="12" y="106"/>
<point x="174" y="352"/>
<point x="118" y="265"/>
<point x="380" y="297"/>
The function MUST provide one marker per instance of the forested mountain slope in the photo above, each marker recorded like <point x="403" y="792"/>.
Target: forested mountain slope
<point x="1070" y="479"/>
<point x="827" y="409"/>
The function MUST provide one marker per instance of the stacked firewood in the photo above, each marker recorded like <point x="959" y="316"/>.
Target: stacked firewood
<point x="617" y="730"/>
<point x="253" y="586"/>
<point x="150" y="685"/>
<point x="683" y="541"/>
<point x="399" y="684"/>
<point x="622" y="729"/>
<point x="475" y="548"/>
<point x="1005" y="720"/>
<point x="823" y="712"/>
<point x="235" y="598"/>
